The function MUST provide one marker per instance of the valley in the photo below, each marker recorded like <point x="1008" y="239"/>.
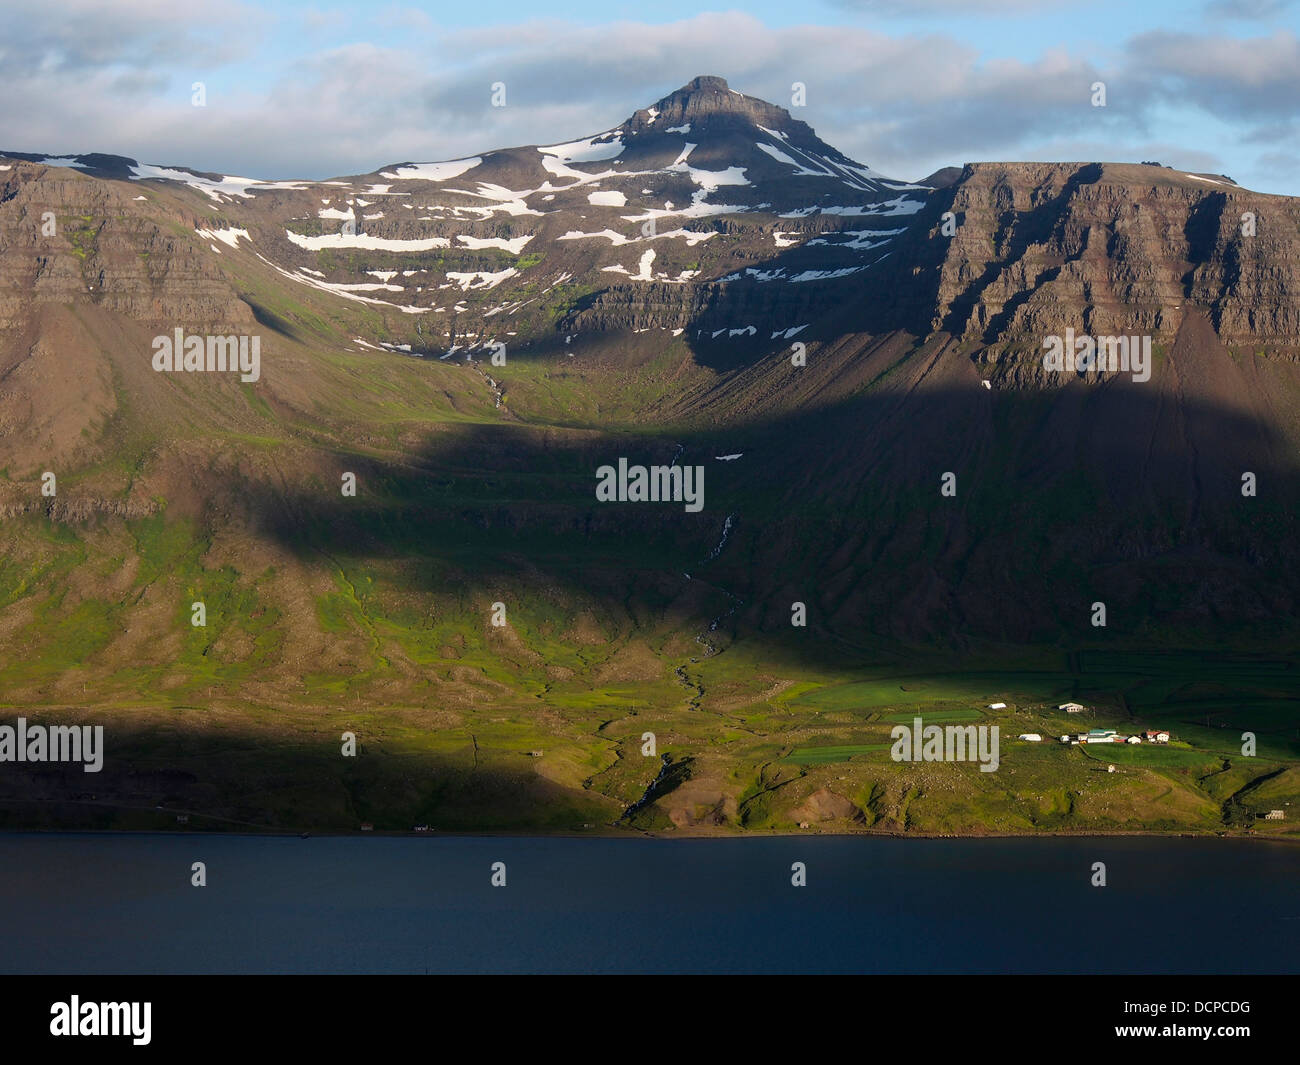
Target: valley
<point x="824" y="589"/>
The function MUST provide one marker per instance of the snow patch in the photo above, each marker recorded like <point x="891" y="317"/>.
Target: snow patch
<point x="781" y="157"/>
<point x="824" y="275"/>
<point x="609" y="234"/>
<point x="480" y="279"/>
<point x="643" y="271"/>
<point x="226" y="236"/>
<point x="514" y="245"/>
<point x="364" y="240"/>
<point x="63" y="160"/>
<point x="861" y="239"/>
<point x="899" y="206"/>
<point x="429" y="171"/>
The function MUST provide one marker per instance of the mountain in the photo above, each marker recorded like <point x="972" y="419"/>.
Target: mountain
<point x="947" y="511"/>
<point x="704" y="184"/>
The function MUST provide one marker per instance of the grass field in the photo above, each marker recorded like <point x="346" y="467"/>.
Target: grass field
<point x="626" y="636"/>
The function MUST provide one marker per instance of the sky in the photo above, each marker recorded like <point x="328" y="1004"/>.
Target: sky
<point x="293" y="88"/>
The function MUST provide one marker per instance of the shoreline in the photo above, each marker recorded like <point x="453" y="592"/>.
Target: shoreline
<point x="689" y="836"/>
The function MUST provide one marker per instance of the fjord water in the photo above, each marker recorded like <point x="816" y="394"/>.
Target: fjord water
<point x="122" y="903"/>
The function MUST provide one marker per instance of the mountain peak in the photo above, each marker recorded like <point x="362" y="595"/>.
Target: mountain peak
<point x="711" y="95"/>
<point x="704" y="83"/>
<point x="709" y="101"/>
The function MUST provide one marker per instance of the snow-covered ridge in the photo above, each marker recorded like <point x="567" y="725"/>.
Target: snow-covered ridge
<point x="432" y="171"/>
<point x="608" y="191"/>
<point x="226" y="186"/>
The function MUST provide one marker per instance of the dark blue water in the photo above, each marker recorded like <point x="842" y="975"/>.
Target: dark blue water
<point x="123" y="903"/>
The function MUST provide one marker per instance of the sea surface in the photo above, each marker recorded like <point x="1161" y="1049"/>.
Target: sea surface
<point x="124" y="903"/>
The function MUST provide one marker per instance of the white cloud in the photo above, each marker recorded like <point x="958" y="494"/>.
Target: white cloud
<point x="949" y="8"/>
<point x="904" y="103"/>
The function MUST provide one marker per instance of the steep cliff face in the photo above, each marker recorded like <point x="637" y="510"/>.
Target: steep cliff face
<point x="67" y="238"/>
<point x="91" y="269"/>
<point x="1103" y="249"/>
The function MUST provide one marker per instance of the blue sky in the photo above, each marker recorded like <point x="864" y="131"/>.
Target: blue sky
<point x="315" y="89"/>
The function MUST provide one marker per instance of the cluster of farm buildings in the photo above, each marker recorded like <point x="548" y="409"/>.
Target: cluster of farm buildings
<point x="1103" y="735"/>
<point x="1109" y="735"/>
<point x="1094" y="735"/>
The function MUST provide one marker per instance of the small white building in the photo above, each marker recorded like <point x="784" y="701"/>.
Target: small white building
<point x="1134" y="739"/>
<point x="1030" y="737"/>
<point x="1072" y="708"/>
<point x="997" y="706"/>
<point x="1275" y="815"/>
<point x="1065" y="739"/>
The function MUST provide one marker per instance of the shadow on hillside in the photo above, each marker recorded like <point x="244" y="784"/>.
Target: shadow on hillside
<point x="1088" y="494"/>
<point x="226" y="780"/>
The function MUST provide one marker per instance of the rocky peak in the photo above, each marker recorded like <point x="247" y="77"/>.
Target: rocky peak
<point x="709" y="100"/>
<point x="706" y="83"/>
